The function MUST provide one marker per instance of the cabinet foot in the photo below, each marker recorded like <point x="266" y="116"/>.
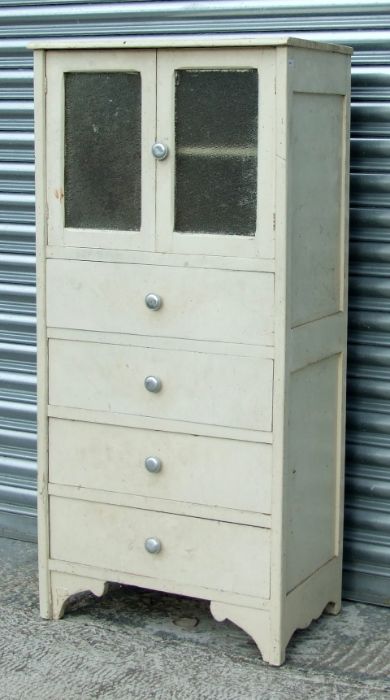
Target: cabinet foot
<point x="333" y="608"/>
<point x="63" y="586"/>
<point x="256" y="623"/>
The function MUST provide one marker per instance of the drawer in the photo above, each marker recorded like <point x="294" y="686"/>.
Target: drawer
<point x="225" y="390"/>
<point x="201" y="304"/>
<point x="197" y="552"/>
<point x="194" y="469"/>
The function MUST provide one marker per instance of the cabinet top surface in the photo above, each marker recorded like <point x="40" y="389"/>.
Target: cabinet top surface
<point x="186" y="41"/>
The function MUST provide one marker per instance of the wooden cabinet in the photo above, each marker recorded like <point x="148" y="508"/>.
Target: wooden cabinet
<point x="192" y="226"/>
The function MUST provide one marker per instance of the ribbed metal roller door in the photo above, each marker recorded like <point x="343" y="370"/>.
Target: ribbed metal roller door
<point x="367" y="514"/>
<point x="363" y="25"/>
<point x="17" y="295"/>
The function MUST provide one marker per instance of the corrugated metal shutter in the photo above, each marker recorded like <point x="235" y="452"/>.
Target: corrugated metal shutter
<point x="17" y="294"/>
<point x="364" y="25"/>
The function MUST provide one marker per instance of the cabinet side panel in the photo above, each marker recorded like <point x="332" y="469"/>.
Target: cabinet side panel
<point x="312" y="469"/>
<point x="317" y="124"/>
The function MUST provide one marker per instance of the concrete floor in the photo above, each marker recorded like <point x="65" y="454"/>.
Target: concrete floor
<point x="139" y="645"/>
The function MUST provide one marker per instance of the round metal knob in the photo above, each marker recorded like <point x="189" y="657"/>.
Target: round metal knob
<point x="153" y="384"/>
<point x="160" y="150"/>
<point x="153" y="301"/>
<point x="153" y="545"/>
<point x="153" y="464"/>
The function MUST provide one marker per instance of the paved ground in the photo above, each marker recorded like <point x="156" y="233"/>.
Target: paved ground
<point x="139" y="645"/>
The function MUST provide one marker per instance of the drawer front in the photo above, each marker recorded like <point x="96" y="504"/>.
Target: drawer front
<point x="212" y="554"/>
<point x="193" y="469"/>
<point x="232" y="306"/>
<point x="225" y="390"/>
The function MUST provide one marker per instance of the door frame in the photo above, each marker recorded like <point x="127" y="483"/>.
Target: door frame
<point x="57" y="64"/>
<point x="169" y="240"/>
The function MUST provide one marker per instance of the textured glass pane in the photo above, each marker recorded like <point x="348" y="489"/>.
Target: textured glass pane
<point x="103" y="150"/>
<point x="216" y="151"/>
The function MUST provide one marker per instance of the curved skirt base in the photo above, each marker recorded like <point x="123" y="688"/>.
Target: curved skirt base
<point x="64" y="586"/>
<point x="271" y="626"/>
<point x="254" y="622"/>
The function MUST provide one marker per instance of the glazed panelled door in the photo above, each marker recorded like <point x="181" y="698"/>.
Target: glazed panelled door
<point x="101" y="120"/>
<point x="190" y="173"/>
<point x="215" y="119"/>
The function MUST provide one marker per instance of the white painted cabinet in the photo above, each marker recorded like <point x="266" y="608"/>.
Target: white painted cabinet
<point x="192" y="225"/>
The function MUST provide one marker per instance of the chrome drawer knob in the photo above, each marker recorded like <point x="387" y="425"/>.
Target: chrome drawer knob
<point x="160" y="150"/>
<point x="153" y="464"/>
<point x="153" y="301"/>
<point x="153" y="545"/>
<point x="153" y="384"/>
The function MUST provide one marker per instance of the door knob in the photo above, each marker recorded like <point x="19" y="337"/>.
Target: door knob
<point x="153" y="301"/>
<point x="160" y="150"/>
<point x="153" y="545"/>
<point x="153" y="464"/>
<point x="153" y="384"/>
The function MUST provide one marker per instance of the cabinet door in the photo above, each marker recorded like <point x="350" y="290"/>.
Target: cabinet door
<point x="215" y="189"/>
<point x="101" y="115"/>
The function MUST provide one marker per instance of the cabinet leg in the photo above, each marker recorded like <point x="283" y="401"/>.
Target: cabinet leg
<point x="256" y="623"/>
<point x="333" y="608"/>
<point x="63" y="586"/>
